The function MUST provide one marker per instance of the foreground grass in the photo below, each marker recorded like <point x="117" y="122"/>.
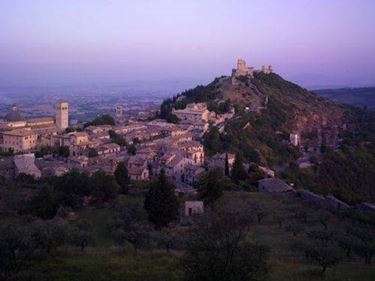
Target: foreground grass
<point x="105" y="264"/>
<point x="298" y="271"/>
<point x="101" y="265"/>
<point x="284" y="264"/>
<point x="104" y="261"/>
<point x="99" y="218"/>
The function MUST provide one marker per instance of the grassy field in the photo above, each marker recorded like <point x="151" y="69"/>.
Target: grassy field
<point x="98" y="218"/>
<point x="285" y="264"/>
<point x="105" y="261"/>
<point x="102" y="264"/>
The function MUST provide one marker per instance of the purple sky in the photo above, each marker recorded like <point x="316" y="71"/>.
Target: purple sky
<point x="313" y="42"/>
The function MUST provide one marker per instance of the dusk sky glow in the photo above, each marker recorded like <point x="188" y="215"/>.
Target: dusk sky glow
<point x="313" y="42"/>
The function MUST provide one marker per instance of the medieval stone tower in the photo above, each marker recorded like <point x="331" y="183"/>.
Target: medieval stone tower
<point x="62" y="115"/>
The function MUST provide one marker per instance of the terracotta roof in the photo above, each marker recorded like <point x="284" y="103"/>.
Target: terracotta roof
<point x="135" y="170"/>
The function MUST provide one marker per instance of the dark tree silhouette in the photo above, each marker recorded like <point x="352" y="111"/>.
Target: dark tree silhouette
<point x="211" y="186"/>
<point x="122" y="177"/>
<point x="218" y="250"/>
<point x="238" y="171"/>
<point x="161" y="203"/>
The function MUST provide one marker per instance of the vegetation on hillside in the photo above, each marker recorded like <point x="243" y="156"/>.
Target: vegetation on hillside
<point x="62" y="151"/>
<point x="116" y="138"/>
<point x="99" y="227"/>
<point x="102" y="120"/>
<point x="263" y="137"/>
<point x="348" y="172"/>
<point x="161" y="203"/>
<point x="219" y="250"/>
<point x="255" y="136"/>
<point x="122" y="177"/>
<point x="198" y="94"/>
<point x="264" y="235"/>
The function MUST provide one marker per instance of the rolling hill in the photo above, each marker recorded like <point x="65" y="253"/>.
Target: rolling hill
<point x="268" y="109"/>
<point x="359" y="97"/>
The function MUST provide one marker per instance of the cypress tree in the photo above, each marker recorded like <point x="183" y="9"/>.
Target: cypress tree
<point x="238" y="171"/>
<point x="122" y="177"/>
<point x="161" y="203"/>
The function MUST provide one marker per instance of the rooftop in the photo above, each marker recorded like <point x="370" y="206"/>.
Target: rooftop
<point x="24" y="132"/>
<point x="274" y="185"/>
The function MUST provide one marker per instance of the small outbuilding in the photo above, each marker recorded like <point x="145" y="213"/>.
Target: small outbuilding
<point x="25" y="164"/>
<point x="194" y="208"/>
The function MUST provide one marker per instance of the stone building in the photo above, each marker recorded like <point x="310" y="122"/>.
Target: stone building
<point x="138" y="168"/>
<point x="175" y="168"/>
<point x="192" y="173"/>
<point x="193" y="150"/>
<point x="25" y="164"/>
<point x="194" y="208"/>
<point x="108" y="149"/>
<point x="242" y="69"/>
<point x="62" y="115"/>
<point x="218" y="161"/>
<point x="295" y="139"/>
<point x="25" y="135"/>
<point x="193" y="113"/>
<point x="267" y="69"/>
<point x="19" y="140"/>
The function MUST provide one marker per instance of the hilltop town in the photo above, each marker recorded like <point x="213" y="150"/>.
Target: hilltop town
<point x="157" y="144"/>
<point x="249" y="155"/>
<point x="49" y="146"/>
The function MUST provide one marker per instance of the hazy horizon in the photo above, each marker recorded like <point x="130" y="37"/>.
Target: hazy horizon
<point x="314" y="43"/>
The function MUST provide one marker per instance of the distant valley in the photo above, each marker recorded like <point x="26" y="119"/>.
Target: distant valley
<point x="360" y="97"/>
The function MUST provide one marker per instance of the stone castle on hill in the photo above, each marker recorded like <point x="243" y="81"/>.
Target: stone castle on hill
<point x="243" y="70"/>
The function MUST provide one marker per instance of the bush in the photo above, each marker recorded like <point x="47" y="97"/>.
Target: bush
<point x="218" y="250"/>
<point x="102" y="120"/>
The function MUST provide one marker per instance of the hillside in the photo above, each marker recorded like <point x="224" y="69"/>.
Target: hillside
<point x="336" y="141"/>
<point x="359" y="97"/>
<point x="104" y="259"/>
<point x="268" y="109"/>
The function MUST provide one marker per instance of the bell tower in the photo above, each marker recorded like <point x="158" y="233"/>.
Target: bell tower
<point x="62" y="115"/>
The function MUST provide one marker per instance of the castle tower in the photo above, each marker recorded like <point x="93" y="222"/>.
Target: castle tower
<point x="62" y="115"/>
<point x="241" y="65"/>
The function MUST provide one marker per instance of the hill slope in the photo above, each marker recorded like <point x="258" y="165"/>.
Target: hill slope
<point x="268" y="108"/>
<point x="338" y="141"/>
